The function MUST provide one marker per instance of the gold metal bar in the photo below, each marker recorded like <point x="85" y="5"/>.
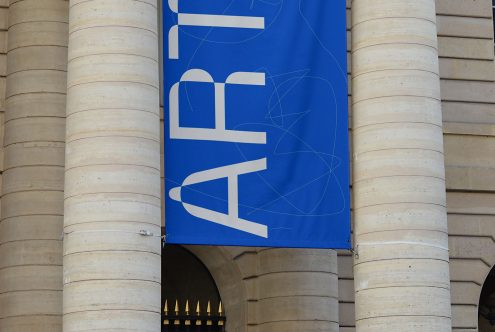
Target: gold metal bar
<point x="165" y="311"/>
<point x="198" y="313"/>
<point x="208" y="313"/>
<point x="176" y="309"/>
<point x="187" y="321"/>
<point x="220" y="313"/>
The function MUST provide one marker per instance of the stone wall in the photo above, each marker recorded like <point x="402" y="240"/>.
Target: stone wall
<point x="466" y="50"/>
<point x="465" y="31"/>
<point x="33" y="159"/>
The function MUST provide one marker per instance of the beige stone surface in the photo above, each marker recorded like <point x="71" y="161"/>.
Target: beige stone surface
<point x="346" y="291"/>
<point x="22" y="301"/>
<point x="8" y="277"/>
<point x="465" y="293"/>
<point x="465" y="26"/>
<point x="401" y="269"/>
<point x="476" y="8"/>
<point x="297" y="289"/>
<point x="112" y="177"/>
<point x="3" y="41"/>
<point x="465" y="316"/>
<point x="33" y="178"/>
<point x="468" y="91"/>
<point x="40" y="105"/>
<point x="347" y="314"/>
<point x="43" y="323"/>
<point x="99" y="321"/>
<point x="347" y="329"/>
<point x="297" y="326"/>
<point x="467" y="71"/>
<point x="465" y="48"/>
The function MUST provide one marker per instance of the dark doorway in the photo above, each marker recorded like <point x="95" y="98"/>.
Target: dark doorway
<point x="487" y="305"/>
<point x="190" y="298"/>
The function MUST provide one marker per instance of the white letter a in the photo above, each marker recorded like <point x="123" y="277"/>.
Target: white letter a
<point x="231" y="172"/>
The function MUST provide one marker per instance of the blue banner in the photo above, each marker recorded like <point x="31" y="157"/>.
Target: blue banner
<point x="256" y="132"/>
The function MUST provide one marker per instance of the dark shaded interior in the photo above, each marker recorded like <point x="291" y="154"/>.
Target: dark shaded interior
<point x="186" y="280"/>
<point x="487" y="305"/>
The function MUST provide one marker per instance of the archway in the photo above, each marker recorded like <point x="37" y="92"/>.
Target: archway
<point x="190" y="298"/>
<point x="223" y="265"/>
<point x="486" y="313"/>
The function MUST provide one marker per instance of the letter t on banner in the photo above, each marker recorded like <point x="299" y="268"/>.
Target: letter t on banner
<point x="202" y="20"/>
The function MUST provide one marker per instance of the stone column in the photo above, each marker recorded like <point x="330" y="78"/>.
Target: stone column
<point x="112" y="221"/>
<point x="402" y="269"/>
<point x="297" y="290"/>
<point x="32" y="188"/>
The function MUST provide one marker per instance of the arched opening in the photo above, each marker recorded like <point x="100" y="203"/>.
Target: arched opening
<point x="486" y="311"/>
<point x="190" y="298"/>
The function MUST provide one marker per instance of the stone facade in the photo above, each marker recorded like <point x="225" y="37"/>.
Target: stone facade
<point x="80" y="169"/>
